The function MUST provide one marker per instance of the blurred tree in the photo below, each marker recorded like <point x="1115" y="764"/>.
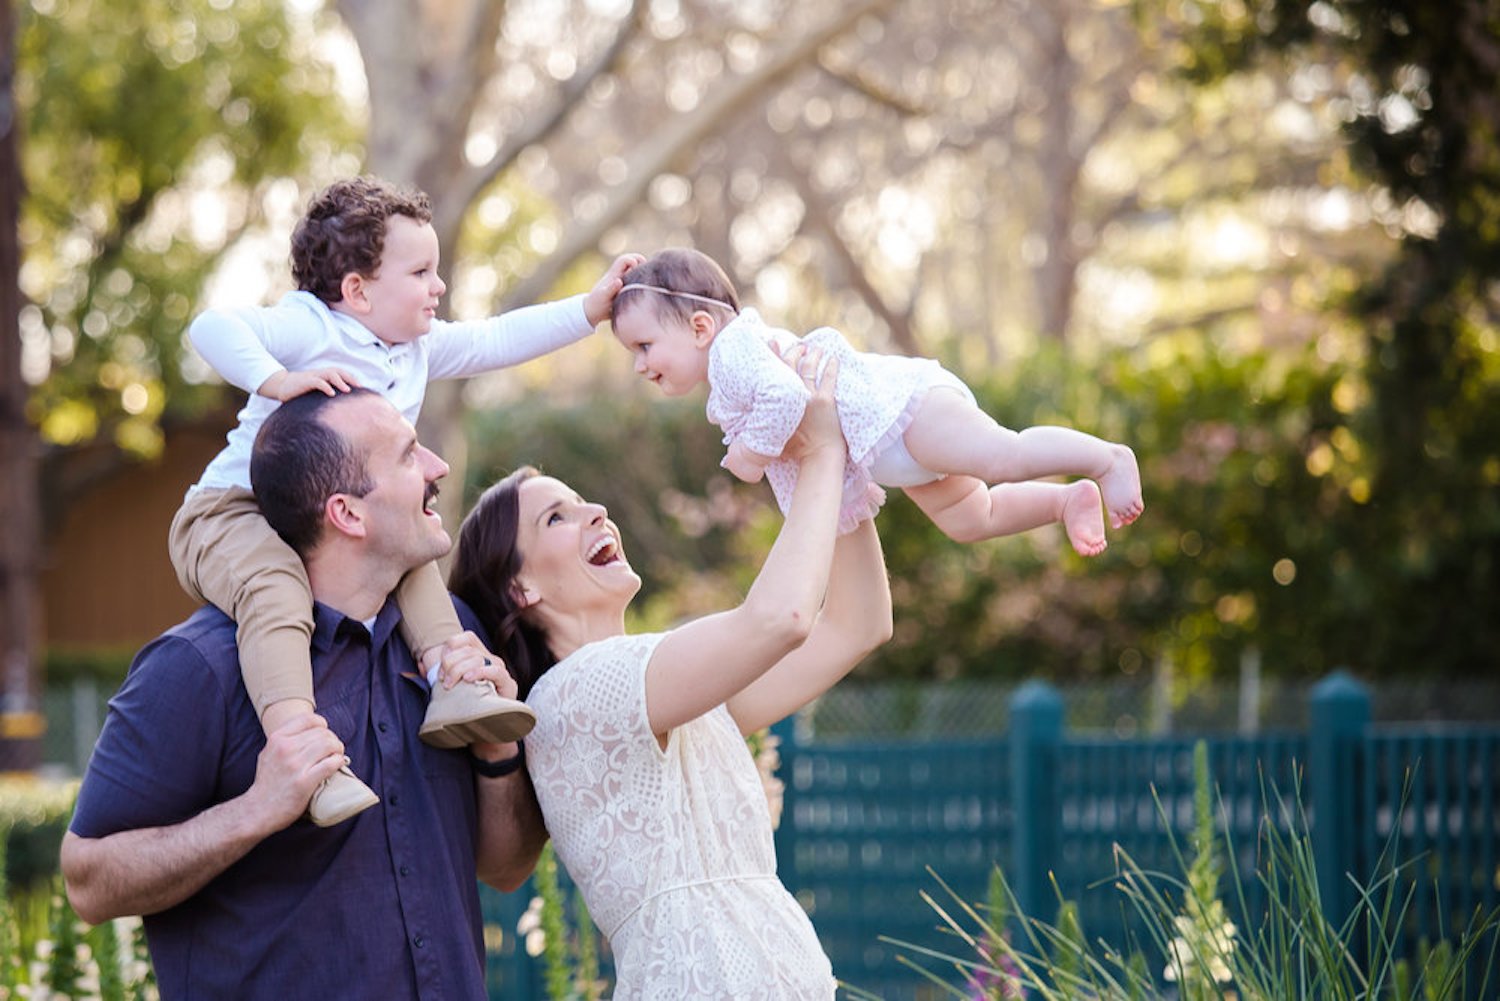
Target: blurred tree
<point x="457" y="97"/>
<point x="131" y="113"/>
<point x="1416" y="430"/>
<point x="18" y="460"/>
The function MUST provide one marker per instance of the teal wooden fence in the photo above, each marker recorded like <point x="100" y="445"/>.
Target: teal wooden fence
<point x="863" y="821"/>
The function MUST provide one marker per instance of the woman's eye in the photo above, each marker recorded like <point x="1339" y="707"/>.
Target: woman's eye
<point x="554" y="518"/>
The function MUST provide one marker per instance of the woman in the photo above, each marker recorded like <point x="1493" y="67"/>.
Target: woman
<point x="638" y="758"/>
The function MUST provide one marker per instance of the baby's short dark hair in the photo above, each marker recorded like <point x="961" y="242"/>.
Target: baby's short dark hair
<point x="343" y="230"/>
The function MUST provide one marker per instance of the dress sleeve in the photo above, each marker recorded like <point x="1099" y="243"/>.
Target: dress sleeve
<point x="759" y="397"/>
<point x="592" y="715"/>
<point x="157" y="759"/>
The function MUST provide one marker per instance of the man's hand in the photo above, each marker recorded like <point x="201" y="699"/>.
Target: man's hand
<point x="596" y="304"/>
<point x="298" y="756"/>
<point x="465" y="658"/>
<point x="286" y="385"/>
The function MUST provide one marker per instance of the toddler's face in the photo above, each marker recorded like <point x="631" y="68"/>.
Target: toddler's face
<point x="404" y="293"/>
<point x="666" y="350"/>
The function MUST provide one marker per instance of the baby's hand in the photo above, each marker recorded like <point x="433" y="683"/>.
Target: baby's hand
<point x="746" y="465"/>
<point x="286" y="385"/>
<point x="597" y="303"/>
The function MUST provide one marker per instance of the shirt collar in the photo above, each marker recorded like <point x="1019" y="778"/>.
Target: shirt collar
<point x="330" y="623"/>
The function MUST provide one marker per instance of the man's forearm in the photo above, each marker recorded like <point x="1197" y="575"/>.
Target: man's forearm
<point x="511" y="831"/>
<point x="149" y="870"/>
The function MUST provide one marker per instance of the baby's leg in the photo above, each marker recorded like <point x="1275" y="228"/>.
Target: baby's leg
<point x="950" y="435"/>
<point x="968" y="509"/>
<point x="457" y="714"/>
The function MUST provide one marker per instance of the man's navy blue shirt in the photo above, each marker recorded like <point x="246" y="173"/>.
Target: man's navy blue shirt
<point x="382" y="906"/>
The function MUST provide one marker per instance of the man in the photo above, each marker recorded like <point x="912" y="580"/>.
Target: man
<point x="189" y="816"/>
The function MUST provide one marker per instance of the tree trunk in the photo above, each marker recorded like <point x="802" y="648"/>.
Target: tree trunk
<point x="20" y="722"/>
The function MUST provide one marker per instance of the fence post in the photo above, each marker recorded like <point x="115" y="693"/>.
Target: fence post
<point x="1340" y="712"/>
<point x="785" y="837"/>
<point x="1036" y="717"/>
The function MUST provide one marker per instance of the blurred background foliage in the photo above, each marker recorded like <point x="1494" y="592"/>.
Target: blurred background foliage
<point x="1256" y="240"/>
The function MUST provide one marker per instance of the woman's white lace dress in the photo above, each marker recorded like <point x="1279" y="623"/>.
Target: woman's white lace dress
<point x="671" y="848"/>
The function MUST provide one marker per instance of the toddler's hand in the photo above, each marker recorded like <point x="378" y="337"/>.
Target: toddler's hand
<point x="286" y="385"/>
<point x="597" y="303"/>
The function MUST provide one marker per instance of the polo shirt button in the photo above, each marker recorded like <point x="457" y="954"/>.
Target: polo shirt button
<point x="382" y="727"/>
<point x="406" y="870"/>
<point x="419" y="941"/>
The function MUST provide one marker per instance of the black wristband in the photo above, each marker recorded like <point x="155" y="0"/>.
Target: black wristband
<point x="498" y="769"/>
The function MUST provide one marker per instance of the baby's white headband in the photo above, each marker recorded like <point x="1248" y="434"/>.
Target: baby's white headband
<point x="680" y="295"/>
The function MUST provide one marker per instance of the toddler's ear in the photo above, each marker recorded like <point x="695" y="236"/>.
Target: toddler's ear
<point x="354" y="292"/>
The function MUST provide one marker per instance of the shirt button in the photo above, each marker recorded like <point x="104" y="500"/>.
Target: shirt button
<point x="382" y="727"/>
<point x="390" y="385"/>
<point x="419" y="941"/>
<point x="395" y="798"/>
<point x="406" y="870"/>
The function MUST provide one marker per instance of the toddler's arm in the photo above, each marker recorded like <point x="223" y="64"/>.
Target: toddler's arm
<point x="236" y="351"/>
<point x="599" y="299"/>
<point x="284" y="385"/>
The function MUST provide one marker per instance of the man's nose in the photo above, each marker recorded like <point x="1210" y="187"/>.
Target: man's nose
<point x="436" y="467"/>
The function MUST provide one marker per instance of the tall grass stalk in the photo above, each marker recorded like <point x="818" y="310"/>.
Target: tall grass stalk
<point x="1189" y="949"/>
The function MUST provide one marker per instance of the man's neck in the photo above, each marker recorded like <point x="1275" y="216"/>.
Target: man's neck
<point x="350" y="586"/>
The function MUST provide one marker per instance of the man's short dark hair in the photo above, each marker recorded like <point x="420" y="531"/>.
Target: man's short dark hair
<point x="299" y="462"/>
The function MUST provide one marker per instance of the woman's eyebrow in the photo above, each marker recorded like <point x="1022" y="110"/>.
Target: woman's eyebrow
<point x="542" y="514"/>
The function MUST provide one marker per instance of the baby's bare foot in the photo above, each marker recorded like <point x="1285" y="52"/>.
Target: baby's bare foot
<point x="1083" y="518"/>
<point x="1121" y="486"/>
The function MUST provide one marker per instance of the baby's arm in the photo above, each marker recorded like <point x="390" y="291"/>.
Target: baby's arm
<point x="758" y="399"/>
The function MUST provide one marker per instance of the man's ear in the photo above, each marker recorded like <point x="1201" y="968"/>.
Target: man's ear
<point x="355" y="292"/>
<point x="344" y="515"/>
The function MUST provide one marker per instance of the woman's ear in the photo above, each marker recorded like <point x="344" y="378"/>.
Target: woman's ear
<point x="523" y="595"/>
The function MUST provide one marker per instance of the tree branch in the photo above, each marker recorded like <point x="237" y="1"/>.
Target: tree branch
<point x="677" y="136"/>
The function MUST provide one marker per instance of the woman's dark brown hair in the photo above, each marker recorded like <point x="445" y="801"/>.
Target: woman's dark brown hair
<point x="485" y="564"/>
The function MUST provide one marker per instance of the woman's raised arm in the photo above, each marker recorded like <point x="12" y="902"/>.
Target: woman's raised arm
<point x="856" y="619"/>
<point x="704" y="663"/>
